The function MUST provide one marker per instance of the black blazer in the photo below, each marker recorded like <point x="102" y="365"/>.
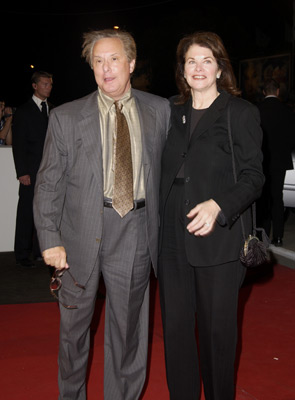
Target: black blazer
<point x="29" y="131"/>
<point x="209" y="175"/>
<point x="278" y="125"/>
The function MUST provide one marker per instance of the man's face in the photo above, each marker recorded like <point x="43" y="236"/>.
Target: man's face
<point x="111" y="67"/>
<point x="42" y="88"/>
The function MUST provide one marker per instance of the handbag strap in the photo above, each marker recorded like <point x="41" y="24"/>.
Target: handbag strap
<point x="235" y="175"/>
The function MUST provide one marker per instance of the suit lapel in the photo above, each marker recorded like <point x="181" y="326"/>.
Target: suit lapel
<point x="210" y="116"/>
<point x="35" y="109"/>
<point x="176" y="145"/>
<point x="147" y="118"/>
<point x="89" y="125"/>
<point x="182" y="124"/>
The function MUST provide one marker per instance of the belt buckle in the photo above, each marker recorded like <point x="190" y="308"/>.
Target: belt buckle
<point x="139" y="204"/>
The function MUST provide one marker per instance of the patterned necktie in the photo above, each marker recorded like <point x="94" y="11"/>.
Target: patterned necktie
<point x="123" y="174"/>
<point x="44" y="109"/>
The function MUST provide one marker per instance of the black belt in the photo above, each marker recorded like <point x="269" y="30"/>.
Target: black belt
<point x="137" y="204"/>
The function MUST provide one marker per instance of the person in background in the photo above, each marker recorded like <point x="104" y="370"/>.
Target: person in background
<point x="29" y="130"/>
<point x="5" y="124"/>
<point x="200" y="272"/>
<point x="96" y="212"/>
<point x="278" y="125"/>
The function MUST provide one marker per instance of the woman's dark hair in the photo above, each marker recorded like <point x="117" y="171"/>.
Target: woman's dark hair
<point x="212" y="41"/>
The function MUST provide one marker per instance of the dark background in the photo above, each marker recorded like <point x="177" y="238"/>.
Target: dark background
<point x="48" y="35"/>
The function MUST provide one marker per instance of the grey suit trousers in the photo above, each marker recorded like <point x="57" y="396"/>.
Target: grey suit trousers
<point x="124" y="262"/>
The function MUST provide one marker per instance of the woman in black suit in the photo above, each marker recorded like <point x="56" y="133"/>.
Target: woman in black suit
<point x="200" y="273"/>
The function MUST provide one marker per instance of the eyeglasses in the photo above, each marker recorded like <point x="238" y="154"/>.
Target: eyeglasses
<point x="55" y="285"/>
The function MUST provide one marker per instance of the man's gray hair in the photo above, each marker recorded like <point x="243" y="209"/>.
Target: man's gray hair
<point x="90" y="38"/>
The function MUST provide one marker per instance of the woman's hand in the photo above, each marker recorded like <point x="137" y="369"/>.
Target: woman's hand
<point x="203" y="218"/>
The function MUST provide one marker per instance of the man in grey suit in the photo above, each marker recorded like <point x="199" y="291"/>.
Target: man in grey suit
<point x="81" y="233"/>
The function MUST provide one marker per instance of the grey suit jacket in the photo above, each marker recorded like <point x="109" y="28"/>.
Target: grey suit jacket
<point x="68" y="202"/>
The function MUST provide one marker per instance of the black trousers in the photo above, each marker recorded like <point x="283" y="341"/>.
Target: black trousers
<point x="202" y="296"/>
<point x="25" y="241"/>
<point x="271" y="205"/>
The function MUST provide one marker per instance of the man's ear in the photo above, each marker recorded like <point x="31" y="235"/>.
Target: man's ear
<point x="132" y="66"/>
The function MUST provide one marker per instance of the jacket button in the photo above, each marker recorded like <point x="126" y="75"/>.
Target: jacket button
<point x="187" y="179"/>
<point x="186" y="202"/>
<point x="183" y="155"/>
<point x="97" y="240"/>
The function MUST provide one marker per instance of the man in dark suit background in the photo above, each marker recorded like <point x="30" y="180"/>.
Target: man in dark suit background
<point x="82" y="230"/>
<point x="29" y="131"/>
<point x="278" y="124"/>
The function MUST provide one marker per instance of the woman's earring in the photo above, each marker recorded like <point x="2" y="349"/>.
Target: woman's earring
<point x="218" y="76"/>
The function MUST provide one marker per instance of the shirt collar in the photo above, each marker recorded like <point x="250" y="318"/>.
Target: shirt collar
<point x="107" y="102"/>
<point x="38" y="101"/>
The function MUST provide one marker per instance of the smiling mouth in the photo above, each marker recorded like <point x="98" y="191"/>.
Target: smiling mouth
<point x="198" y="77"/>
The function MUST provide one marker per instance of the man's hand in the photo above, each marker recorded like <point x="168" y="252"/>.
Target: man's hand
<point x="25" y="180"/>
<point x="8" y="112"/>
<point x="56" y="257"/>
<point x="203" y="218"/>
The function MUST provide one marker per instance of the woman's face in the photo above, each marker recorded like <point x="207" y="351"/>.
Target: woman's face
<point x="201" y="69"/>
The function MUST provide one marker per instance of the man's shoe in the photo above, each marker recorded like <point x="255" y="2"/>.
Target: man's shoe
<point x="25" y="262"/>
<point x="278" y="242"/>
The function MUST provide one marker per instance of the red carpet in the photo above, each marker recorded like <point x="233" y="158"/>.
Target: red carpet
<point x="29" y="345"/>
